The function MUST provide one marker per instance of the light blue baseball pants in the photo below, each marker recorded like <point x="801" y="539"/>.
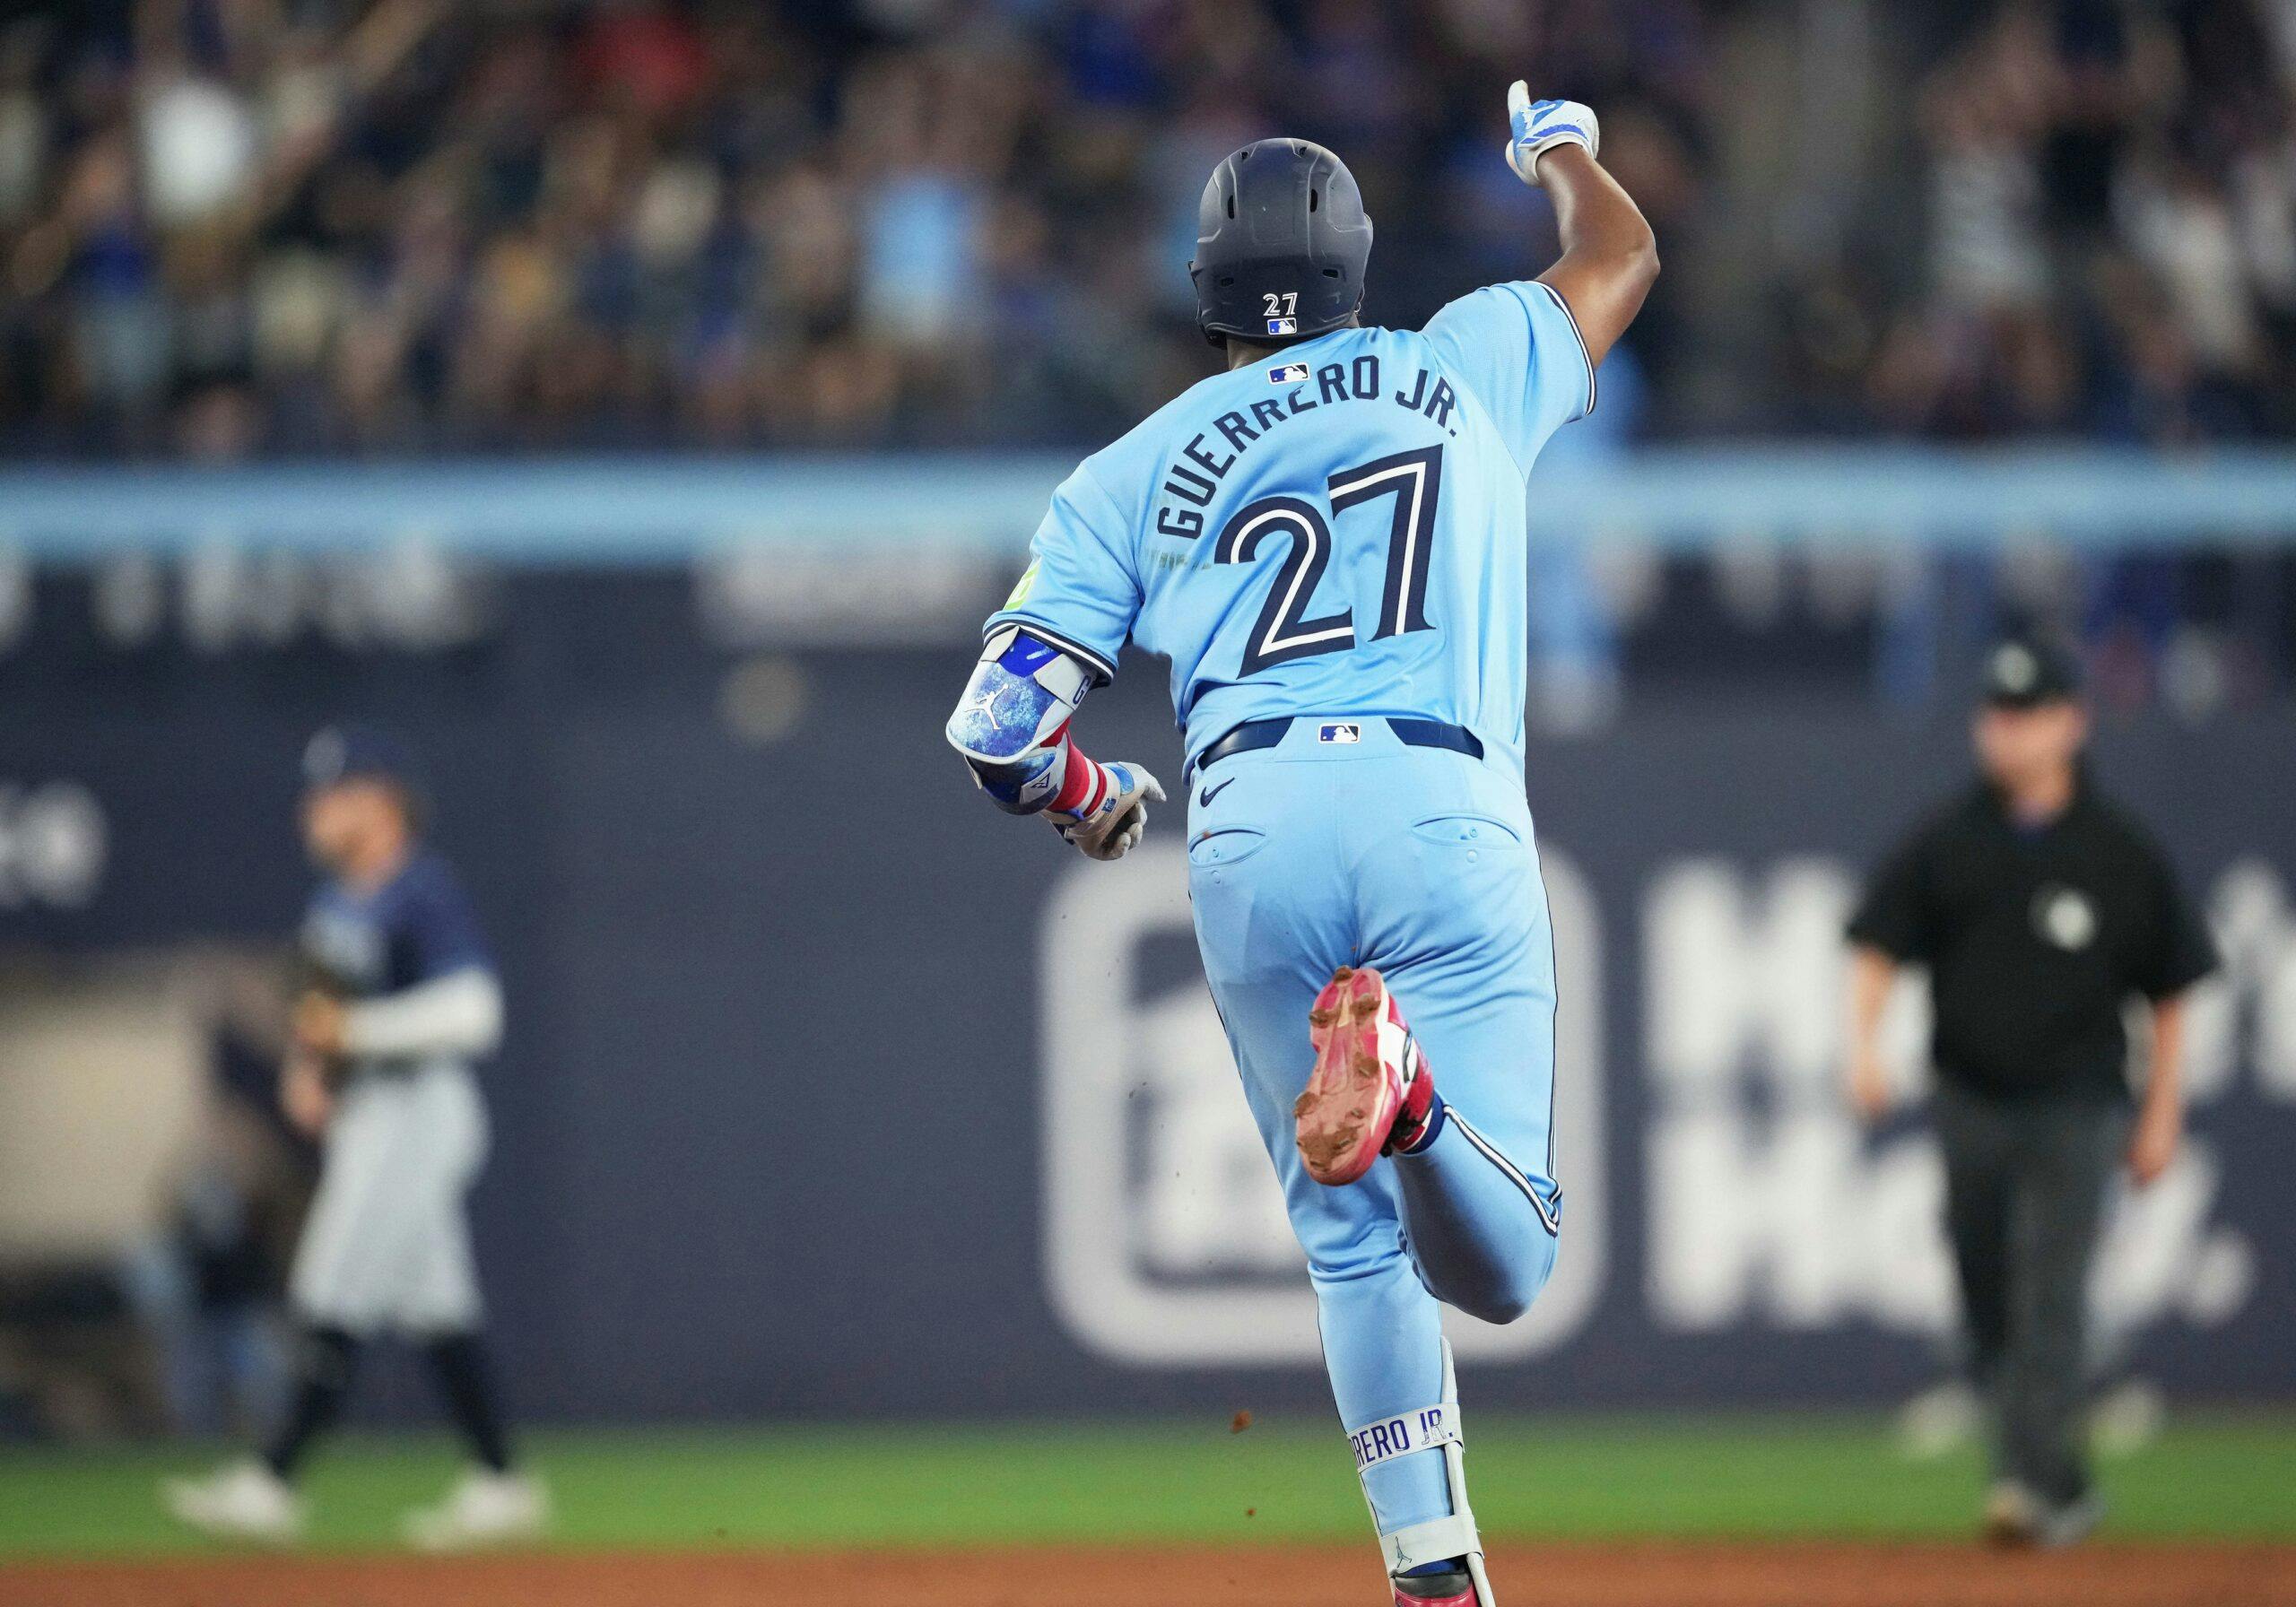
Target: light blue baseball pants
<point x="1322" y="852"/>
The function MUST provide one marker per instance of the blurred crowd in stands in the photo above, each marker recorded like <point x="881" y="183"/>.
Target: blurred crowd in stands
<point x="247" y="227"/>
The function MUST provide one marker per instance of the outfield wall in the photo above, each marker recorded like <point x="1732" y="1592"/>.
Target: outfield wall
<point x="828" y="1091"/>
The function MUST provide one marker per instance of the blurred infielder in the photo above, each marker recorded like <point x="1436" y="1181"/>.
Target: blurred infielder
<point x="1328" y="542"/>
<point x="401" y="998"/>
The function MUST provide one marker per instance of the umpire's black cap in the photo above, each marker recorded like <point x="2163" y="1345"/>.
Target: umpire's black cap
<point x="2026" y="672"/>
<point x="1282" y="242"/>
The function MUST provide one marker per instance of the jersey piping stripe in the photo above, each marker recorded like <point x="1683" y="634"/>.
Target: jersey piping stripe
<point x="1585" y="356"/>
<point x="1069" y="645"/>
<point x="1553" y="1026"/>
<point x="1514" y="1173"/>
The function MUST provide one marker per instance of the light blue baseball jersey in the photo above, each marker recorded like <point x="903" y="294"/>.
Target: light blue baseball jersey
<point x="1338" y="528"/>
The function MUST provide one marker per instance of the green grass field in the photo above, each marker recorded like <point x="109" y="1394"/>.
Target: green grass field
<point x="1576" y="1477"/>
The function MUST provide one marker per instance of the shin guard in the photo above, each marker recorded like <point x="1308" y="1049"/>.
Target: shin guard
<point x="1438" y="1539"/>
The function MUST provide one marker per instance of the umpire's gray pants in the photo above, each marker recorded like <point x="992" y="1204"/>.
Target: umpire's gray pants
<point x="2026" y="1183"/>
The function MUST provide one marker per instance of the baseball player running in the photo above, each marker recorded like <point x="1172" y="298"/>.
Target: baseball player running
<point x="1328" y="542"/>
<point x="401" y="999"/>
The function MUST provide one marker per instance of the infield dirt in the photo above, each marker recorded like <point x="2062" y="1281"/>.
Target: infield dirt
<point x="1658" y="1575"/>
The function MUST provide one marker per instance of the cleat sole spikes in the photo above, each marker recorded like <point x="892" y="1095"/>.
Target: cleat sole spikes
<point x="1343" y="1117"/>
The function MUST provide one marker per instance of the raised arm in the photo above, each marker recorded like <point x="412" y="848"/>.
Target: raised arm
<point x="1609" y="255"/>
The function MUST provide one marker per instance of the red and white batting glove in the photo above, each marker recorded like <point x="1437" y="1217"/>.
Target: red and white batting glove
<point x="1103" y="808"/>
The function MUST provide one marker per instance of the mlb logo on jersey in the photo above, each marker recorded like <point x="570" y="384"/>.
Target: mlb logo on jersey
<point x="1288" y="373"/>
<point x="1283" y="325"/>
<point x="1340" y="733"/>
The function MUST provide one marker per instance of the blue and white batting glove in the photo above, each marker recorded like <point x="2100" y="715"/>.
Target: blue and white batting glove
<point x="1111" y="826"/>
<point x="1540" y="125"/>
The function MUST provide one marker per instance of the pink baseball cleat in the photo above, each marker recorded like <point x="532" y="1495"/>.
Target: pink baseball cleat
<point x="1371" y="1091"/>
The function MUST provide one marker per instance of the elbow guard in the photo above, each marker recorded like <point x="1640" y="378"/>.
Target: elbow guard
<point x="1011" y="725"/>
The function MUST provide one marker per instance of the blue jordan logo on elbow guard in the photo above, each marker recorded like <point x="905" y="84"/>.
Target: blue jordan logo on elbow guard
<point x="1027" y="655"/>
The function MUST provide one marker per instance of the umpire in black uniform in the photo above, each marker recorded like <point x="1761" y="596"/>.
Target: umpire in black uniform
<point x="2040" y="908"/>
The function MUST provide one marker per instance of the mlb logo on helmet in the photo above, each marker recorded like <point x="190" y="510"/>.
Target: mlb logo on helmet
<point x="1283" y="325"/>
<point x="1288" y="373"/>
<point x="1340" y="733"/>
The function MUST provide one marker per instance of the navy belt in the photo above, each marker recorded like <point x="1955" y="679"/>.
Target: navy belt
<point x="1254" y="735"/>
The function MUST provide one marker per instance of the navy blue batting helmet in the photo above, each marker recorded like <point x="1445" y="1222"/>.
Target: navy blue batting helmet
<point x="1282" y="242"/>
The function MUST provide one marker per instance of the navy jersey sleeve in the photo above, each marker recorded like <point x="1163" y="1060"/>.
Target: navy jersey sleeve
<point x="1082" y="590"/>
<point x="1519" y="351"/>
<point x="434" y="930"/>
<point x="1896" y="914"/>
<point x="2177" y="950"/>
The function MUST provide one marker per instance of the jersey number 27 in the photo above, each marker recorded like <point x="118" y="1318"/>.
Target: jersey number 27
<point x="1414" y="480"/>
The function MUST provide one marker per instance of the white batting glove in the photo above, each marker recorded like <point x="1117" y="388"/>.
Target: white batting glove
<point x="1113" y="828"/>
<point x="1540" y="125"/>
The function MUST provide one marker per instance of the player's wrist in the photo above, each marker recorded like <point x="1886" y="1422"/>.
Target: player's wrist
<point x="1564" y="149"/>
<point x="1085" y="788"/>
